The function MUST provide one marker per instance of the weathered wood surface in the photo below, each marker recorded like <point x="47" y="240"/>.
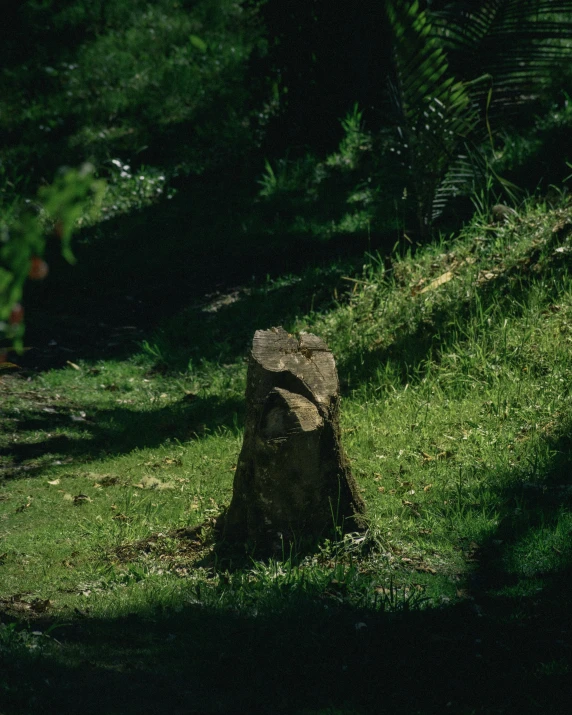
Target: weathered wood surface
<point x="292" y="481"/>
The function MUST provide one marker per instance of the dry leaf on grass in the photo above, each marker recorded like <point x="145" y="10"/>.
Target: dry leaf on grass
<point x="106" y="480"/>
<point x="17" y="603"/>
<point x="423" y="568"/>
<point x="40" y="605"/>
<point x="77" y="499"/>
<point x="153" y="483"/>
<point x="173" y="461"/>
<point x="443" y="278"/>
<point x="411" y="506"/>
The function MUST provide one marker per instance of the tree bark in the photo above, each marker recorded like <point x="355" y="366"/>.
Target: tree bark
<point x="293" y="482"/>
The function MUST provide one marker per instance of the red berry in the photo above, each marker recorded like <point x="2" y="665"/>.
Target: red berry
<point x="38" y="269"/>
<point x="16" y="314"/>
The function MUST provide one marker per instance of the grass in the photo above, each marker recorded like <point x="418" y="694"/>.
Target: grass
<point x="455" y="367"/>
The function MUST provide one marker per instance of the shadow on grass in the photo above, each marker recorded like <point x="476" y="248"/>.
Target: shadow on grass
<point x="182" y="345"/>
<point x="114" y="431"/>
<point x="136" y="270"/>
<point x="527" y="563"/>
<point x="301" y="646"/>
<point x="308" y="655"/>
<point x="222" y="332"/>
<point x="195" y="335"/>
<point x="227" y="332"/>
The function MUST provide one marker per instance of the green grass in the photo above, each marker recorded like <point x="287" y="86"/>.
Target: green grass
<point x="455" y="365"/>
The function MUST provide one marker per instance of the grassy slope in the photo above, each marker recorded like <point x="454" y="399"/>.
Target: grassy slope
<point x="455" y="367"/>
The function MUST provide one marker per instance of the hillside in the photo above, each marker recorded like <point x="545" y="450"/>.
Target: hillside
<point x="455" y="364"/>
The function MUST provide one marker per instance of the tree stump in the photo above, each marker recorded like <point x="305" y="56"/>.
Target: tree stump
<point x="293" y="482"/>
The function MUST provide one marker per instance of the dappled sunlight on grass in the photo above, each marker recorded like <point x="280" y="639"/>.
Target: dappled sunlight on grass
<point x="456" y="418"/>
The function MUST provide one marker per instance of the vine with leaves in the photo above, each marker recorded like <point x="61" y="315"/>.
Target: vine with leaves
<point x="59" y="208"/>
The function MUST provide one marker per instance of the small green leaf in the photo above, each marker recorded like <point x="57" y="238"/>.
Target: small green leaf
<point x="198" y="43"/>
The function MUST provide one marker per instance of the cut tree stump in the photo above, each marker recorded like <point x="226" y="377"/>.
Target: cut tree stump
<point x="293" y="482"/>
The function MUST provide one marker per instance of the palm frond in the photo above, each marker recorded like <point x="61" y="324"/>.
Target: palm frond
<point x="520" y="43"/>
<point x="441" y="59"/>
<point x="434" y="111"/>
<point x="458" y="181"/>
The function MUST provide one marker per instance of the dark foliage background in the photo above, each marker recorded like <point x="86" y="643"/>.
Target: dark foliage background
<point x="242" y="138"/>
